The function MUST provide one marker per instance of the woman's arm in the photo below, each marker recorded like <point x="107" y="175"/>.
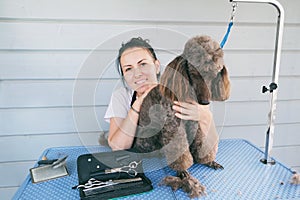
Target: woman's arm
<point x="122" y="131"/>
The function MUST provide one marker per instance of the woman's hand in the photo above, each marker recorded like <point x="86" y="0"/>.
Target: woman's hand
<point x="139" y="100"/>
<point x="195" y="112"/>
<point x="191" y="111"/>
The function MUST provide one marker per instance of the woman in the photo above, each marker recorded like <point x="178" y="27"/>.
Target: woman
<point x="140" y="70"/>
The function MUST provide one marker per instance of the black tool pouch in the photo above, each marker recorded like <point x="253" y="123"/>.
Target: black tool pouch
<point x="112" y="169"/>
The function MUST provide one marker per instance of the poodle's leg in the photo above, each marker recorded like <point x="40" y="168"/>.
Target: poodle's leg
<point x="175" y="145"/>
<point x="185" y="181"/>
<point x="205" y="146"/>
<point x="179" y="158"/>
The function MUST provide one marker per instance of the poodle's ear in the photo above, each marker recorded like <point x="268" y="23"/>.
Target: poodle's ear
<point x="220" y="87"/>
<point x="174" y="83"/>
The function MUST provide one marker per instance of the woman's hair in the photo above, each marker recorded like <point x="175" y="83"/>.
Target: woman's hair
<point x="134" y="42"/>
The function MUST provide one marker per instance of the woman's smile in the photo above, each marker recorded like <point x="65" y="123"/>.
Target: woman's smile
<point x="139" y="82"/>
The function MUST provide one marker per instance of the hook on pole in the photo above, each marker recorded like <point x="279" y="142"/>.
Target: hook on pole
<point x="234" y="6"/>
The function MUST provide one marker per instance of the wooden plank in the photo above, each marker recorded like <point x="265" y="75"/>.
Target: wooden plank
<point x="31" y="147"/>
<point x="284" y="134"/>
<point x="115" y="9"/>
<point x="127" y="10"/>
<point x="250" y="89"/>
<point x="288" y="155"/>
<point x="51" y="93"/>
<point x="257" y="112"/>
<point x="253" y="134"/>
<point x="8" y="193"/>
<point x="67" y="64"/>
<point x="58" y="64"/>
<point x="80" y="36"/>
<point x="52" y="120"/>
<point x="85" y="119"/>
<point x="256" y="63"/>
<point x="41" y="65"/>
<point x="56" y="93"/>
<point x="14" y="173"/>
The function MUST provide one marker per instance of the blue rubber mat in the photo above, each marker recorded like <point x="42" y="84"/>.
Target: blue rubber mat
<point x="243" y="176"/>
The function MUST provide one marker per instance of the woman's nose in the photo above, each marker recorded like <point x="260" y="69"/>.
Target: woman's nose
<point x="137" y="72"/>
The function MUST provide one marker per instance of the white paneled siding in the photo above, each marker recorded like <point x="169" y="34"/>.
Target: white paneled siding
<point x="57" y="70"/>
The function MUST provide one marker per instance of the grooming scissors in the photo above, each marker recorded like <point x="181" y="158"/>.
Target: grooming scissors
<point x="130" y="169"/>
<point x="93" y="183"/>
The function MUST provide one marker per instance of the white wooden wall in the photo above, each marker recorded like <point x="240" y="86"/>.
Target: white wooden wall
<point x="57" y="70"/>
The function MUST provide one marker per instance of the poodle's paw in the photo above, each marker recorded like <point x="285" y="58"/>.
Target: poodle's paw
<point x="193" y="187"/>
<point x="188" y="184"/>
<point x="295" y="179"/>
<point x="174" y="182"/>
<point x="214" y="165"/>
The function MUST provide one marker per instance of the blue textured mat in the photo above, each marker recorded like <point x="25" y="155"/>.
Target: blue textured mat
<point x="243" y="177"/>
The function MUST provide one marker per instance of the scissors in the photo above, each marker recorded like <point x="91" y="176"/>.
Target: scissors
<point x="129" y="169"/>
<point x="92" y="183"/>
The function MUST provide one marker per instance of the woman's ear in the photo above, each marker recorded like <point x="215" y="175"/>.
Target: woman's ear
<point x="157" y="66"/>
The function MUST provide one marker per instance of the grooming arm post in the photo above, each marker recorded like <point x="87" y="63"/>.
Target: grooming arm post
<point x="275" y="75"/>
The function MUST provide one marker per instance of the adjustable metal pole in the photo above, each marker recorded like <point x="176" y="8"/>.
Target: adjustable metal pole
<point x="273" y="86"/>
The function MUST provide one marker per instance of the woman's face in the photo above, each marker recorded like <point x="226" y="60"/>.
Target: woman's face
<point x="139" y="69"/>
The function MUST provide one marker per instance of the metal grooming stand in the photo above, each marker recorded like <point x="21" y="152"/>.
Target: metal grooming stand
<point x="273" y="86"/>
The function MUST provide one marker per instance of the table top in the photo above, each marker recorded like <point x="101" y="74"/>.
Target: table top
<point x="243" y="176"/>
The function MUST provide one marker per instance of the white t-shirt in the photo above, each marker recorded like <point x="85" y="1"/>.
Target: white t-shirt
<point x="119" y="104"/>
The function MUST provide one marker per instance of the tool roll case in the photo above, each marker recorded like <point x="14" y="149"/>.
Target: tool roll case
<point x="111" y="174"/>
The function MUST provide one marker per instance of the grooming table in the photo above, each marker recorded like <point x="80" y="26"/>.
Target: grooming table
<point x="243" y="176"/>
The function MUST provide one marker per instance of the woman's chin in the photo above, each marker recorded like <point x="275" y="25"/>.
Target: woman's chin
<point x="142" y="89"/>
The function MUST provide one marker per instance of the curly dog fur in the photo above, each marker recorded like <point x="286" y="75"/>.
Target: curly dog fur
<point x="197" y="74"/>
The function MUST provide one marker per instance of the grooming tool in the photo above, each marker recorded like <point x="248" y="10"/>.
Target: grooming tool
<point x="97" y="180"/>
<point x="129" y="169"/>
<point x="50" y="169"/>
<point x="47" y="172"/>
<point x="59" y="162"/>
<point x="46" y="162"/>
<point x="95" y="187"/>
<point x="54" y="162"/>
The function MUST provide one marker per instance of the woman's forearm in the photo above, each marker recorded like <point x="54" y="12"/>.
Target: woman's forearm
<point x="122" y="132"/>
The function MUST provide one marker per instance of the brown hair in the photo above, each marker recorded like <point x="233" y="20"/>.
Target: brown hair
<point x="134" y="42"/>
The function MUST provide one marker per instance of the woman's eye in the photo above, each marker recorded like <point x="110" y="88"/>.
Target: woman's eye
<point x="127" y="69"/>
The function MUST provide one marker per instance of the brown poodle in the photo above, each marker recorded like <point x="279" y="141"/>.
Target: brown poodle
<point x="197" y="74"/>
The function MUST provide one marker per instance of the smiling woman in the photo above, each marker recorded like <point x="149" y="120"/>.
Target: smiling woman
<point x="140" y="70"/>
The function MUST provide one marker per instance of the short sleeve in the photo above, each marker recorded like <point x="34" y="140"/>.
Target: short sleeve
<point x="119" y="104"/>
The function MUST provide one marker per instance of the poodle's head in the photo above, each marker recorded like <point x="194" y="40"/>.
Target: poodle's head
<point x="201" y="66"/>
